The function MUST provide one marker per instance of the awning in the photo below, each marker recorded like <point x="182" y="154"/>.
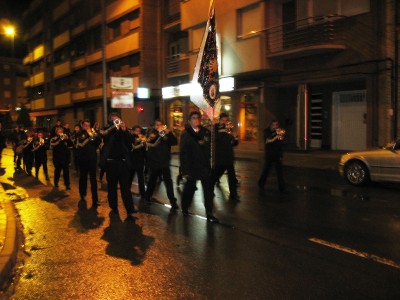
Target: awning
<point x="44" y="113"/>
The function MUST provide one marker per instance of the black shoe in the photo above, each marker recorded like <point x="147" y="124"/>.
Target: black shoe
<point x="47" y="179"/>
<point x="174" y="204"/>
<point x="234" y="197"/>
<point x="131" y="217"/>
<point x="56" y="185"/>
<point x="68" y="188"/>
<point x="212" y="219"/>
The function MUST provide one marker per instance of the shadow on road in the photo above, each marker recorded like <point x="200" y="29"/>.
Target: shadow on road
<point x="86" y="219"/>
<point x="126" y="240"/>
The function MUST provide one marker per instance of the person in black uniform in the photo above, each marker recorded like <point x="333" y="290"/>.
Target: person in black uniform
<point x="28" y="153"/>
<point x="115" y="159"/>
<point x="159" y="142"/>
<point x="273" y="137"/>
<point x="40" y="147"/>
<point x="74" y="139"/>
<point x="20" y="137"/>
<point x="195" y="154"/>
<point x="138" y="155"/>
<point x="224" y="156"/>
<point x="61" y="144"/>
<point x="13" y="139"/>
<point x="53" y="131"/>
<point x="86" y="151"/>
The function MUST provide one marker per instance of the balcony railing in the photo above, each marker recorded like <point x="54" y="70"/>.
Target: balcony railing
<point x="177" y="64"/>
<point x="324" y="33"/>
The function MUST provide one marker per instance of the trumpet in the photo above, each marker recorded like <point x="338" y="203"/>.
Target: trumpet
<point x="229" y="127"/>
<point x="163" y="132"/>
<point x="116" y="124"/>
<point x="62" y="136"/>
<point x="280" y="133"/>
<point x="141" y="139"/>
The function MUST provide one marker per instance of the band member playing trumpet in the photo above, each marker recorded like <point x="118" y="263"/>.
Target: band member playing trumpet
<point x="40" y="147"/>
<point x="138" y="155"/>
<point x="27" y="153"/>
<point x="224" y="156"/>
<point x="115" y="158"/>
<point x="87" y="143"/>
<point x="273" y="137"/>
<point x="61" y="144"/>
<point x="160" y="140"/>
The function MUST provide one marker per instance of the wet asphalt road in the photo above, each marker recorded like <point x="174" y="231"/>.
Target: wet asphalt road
<point x="323" y="239"/>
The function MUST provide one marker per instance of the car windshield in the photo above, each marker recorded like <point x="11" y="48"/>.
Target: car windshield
<point x="392" y="145"/>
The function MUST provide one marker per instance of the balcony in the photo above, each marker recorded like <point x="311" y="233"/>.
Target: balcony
<point x="37" y="79"/>
<point x="311" y="36"/>
<point x="177" y="65"/>
<point x="123" y="45"/>
<point x="61" y="39"/>
<point x="62" y="99"/>
<point x="62" y="69"/>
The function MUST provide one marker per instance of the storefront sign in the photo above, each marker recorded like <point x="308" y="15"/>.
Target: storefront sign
<point x="226" y="84"/>
<point x="143" y="93"/>
<point x="120" y="99"/>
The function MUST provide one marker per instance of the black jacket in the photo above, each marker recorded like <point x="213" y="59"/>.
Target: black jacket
<point x="88" y="152"/>
<point x="195" y="152"/>
<point x="61" y="150"/>
<point x="159" y="149"/>
<point x="116" y="146"/>
<point x="138" y="152"/>
<point x="224" y="143"/>
<point x="2" y="139"/>
<point x="41" y="152"/>
<point x="274" y="149"/>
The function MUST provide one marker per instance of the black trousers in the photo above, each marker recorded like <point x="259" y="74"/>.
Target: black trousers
<point x="117" y="171"/>
<point x="232" y="181"/>
<point x="189" y="190"/>
<point x="269" y="162"/>
<point x="140" y="175"/>
<point x="64" y="167"/>
<point x="166" y="174"/>
<point x="88" y="168"/>
<point x="38" y="164"/>
<point x="28" y="160"/>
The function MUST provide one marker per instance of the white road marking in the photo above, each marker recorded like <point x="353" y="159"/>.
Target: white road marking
<point x="362" y="254"/>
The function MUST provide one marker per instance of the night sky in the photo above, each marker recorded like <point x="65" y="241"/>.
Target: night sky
<point x="11" y="13"/>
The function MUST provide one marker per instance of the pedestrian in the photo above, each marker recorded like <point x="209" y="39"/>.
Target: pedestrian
<point x="27" y="152"/>
<point x="87" y="143"/>
<point x="115" y="159"/>
<point x="2" y="140"/>
<point x="61" y="145"/>
<point x="40" y="147"/>
<point x="195" y="155"/>
<point x="159" y="142"/>
<point x="138" y="156"/>
<point x="224" y="155"/>
<point x="273" y="139"/>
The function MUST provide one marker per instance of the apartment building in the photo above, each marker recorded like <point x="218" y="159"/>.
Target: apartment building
<point x="12" y="91"/>
<point x="327" y="70"/>
<point x="66" y="58"/>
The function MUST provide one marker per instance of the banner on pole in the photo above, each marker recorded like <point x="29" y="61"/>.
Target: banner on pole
<point x="205" y="90"/>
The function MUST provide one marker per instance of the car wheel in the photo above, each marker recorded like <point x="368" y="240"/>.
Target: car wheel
<point x="356" y="173"/>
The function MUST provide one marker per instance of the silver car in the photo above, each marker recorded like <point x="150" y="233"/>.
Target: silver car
<point x="372" y="165"/>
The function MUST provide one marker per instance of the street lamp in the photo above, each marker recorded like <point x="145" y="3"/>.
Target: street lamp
<point x="10" y="31"/>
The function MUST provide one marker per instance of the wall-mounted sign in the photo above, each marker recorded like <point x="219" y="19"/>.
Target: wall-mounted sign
<point x="122" y="83"/>
<point x="120" y="99"/>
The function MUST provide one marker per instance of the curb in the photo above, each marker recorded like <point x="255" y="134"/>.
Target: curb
<point x="8" y="254"/>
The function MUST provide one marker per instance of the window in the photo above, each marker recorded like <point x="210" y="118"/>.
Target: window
<point x="124" y="25"/>
<point x="6" y="67"/>
<point x="95" y="76"/>
<point x="123" y="66"/>
<point x="6" y="81"/>
<point x="37" y="92"/>
<point x="78" y="47"/>
<point x="250" y="19"/>
<point x="315" y="8"/>
<point x="80" y="80"/>
<point x="61" y="55"/>
<point x="38" y="67"/>
<point x="62" y="85"/>
<point x="7" y="94"/>
<point x="78" y="14"/>
<point x="61" y="26"/>
<point x="94" y="39"/>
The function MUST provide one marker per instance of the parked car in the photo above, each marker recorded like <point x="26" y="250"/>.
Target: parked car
<point x="382" y="164"/>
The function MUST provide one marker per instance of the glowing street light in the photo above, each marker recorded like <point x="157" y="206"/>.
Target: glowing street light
<point x="10" y="31"/>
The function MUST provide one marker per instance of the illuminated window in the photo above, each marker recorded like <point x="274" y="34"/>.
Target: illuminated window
<point x="6" y="67"/>
<point x="7" y="94"/>
<point x="6" y="81"/>
<point x="250" y="19"/>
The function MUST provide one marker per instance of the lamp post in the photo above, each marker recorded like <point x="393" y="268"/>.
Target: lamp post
<point x="10" y="32"/>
